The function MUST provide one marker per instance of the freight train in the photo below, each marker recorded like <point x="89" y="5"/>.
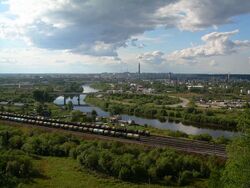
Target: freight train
<point x="75" y="126"/>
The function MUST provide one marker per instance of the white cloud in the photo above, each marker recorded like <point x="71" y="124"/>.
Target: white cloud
<point x="41" y="60"/>
<point x="87" y="27"/>
<point x="216" y="44"/>
<point x="155" y="57"/>
<point x="198" y="14"/>
<point x="100" y="28"/>
<point x="134" y="42"/>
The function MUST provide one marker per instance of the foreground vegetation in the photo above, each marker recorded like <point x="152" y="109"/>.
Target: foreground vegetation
<point x="22" y="150"/>
<point x="64" y="172"/>
<point x="125" y="162"/>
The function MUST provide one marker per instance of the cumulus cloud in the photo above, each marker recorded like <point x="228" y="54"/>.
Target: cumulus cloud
<point x="155" y="57"/>
<point x="134" y="42"/>
<point x="198" y="14"/>
<point x="87" y="27"/>
<point x="100" y="27"/>
<point x="216" y="43"/>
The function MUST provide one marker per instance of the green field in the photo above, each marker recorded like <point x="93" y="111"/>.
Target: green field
<point x="65" y="173"/>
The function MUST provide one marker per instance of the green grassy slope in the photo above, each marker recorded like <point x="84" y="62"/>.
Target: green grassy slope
<point x="65" y="173"/>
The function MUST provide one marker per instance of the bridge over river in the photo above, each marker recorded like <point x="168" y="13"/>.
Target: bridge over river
<point x="70" y="94"/>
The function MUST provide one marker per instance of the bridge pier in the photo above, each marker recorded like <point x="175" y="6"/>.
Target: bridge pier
<point x="78" y="99"/>
<point x="64" y="100"/>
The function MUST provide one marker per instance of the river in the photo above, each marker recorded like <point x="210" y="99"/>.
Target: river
<point x="189" y="129"/>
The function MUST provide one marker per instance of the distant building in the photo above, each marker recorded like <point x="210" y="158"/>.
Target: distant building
<point x="195" y="86"/>
<point x="139" y="88"/>
<point x="139" y="68"/>
<point x="148" y="90"/>
<point x="170" y="76"/>
<point x="228" y="77"/>
<point x="114" y="91"/>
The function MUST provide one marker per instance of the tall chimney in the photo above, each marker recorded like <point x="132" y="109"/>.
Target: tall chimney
<point x="139" y="70"/>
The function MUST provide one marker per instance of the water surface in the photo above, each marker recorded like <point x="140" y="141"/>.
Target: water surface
<point x="188" y="129"/>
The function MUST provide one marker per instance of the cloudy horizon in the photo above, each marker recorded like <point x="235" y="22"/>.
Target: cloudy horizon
<point x="93" y="36"/>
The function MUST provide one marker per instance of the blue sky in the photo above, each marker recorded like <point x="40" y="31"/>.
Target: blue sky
<point x="64" y="36"/>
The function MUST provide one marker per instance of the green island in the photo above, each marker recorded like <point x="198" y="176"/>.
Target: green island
<point x="159" y="107"/>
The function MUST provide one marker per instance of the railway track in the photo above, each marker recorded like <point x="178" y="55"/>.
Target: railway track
<point x="191" y="146"/>
<point x="104" y="132"/>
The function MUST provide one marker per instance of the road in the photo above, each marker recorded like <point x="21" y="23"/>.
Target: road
<point x="184" y="102"/>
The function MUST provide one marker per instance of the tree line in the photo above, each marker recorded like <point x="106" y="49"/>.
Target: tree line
<point x="190" y="115"/>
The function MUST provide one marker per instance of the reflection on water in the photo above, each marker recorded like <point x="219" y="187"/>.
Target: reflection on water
<point x="59" y="100"/>
<point x="88" y="89"/>
<point x="142" y="121"/>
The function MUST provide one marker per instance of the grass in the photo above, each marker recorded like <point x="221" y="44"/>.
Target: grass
<point x="65" y="173"/>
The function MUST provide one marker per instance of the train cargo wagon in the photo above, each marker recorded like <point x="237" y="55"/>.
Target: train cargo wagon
<point x="80" y="128"/>
<point x="100" y="131"/>
<point x="136" y="136"/>
<point x="90" y="129"/>
<point x="106" y="132"/>
<point x="85" y="129"/>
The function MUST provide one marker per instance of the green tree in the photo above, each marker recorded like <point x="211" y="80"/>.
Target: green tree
<point x="69" y="106"/>
<point x="237" y="170"/>
<point x="5" y="136"/>
<point x="125" y="173"/>
<point x="105" y="162"/>
<point x="42" y="96"/>
<point x="16" y="141"/>
<point x="76" y="115"/>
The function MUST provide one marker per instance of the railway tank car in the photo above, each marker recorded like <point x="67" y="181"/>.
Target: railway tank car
<point x="80" y="127"/>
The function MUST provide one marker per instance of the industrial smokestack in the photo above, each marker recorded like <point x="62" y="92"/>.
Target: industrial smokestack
<point x="139" y="70"/>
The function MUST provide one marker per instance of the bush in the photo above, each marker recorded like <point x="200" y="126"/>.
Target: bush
<point x="13" y="166"/>
<point x="185" y="177"/>
<point x="202" y="137"/>
<point x="130" y="163"/>
<point x="16" y="142"/>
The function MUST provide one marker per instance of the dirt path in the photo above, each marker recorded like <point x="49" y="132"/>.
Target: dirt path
<point x="184" y="102"/>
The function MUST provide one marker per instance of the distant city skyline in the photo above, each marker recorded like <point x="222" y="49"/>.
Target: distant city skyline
<point x="69" y="36"/>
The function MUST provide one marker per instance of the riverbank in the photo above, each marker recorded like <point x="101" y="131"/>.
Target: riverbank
<point x="199" y="118"/>
<point x="165" y="127"/>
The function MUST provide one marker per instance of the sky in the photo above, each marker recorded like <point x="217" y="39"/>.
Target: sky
<point x="95" y="36"/>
